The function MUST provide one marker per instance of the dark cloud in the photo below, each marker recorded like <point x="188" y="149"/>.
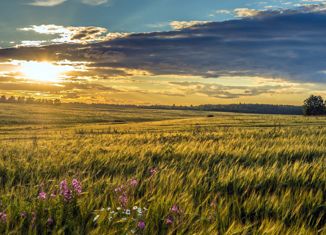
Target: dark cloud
<point x="288" y="44"/>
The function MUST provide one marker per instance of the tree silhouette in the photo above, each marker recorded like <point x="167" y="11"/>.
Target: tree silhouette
<point x="314" y="105"/>
<point x="28" y="100"/>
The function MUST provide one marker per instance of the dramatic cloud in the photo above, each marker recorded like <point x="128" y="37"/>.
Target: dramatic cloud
<point x="74" y="34"/>
<point x="281" y="44"/>
<point x="46" y="3"/>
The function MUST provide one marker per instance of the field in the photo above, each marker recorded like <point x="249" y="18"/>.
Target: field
<point x="159" y="172"/>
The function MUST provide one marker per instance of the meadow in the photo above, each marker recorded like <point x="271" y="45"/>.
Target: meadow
<point x="75" y="169"/>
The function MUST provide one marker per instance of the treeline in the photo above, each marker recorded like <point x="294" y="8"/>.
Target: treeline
<point x="237" y="108"/>
<point x="234" y="108"/>
<point x="28" y="100"/>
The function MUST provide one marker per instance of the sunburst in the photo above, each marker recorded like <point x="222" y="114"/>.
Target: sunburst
<point x="43" y="71"/>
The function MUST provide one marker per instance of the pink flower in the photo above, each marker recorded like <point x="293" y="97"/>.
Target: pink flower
<point x="175" y="209"/>
<point x="67" y="195"/>
<point x="42" y="195"/>
<point x="153" y="171"/>
<point x="77" y="186"/>
<point x="141" y="224"/>
<point x="169" y="220"/>
<point x="63" y="186"/>
<point x="133" y="182"/>
<point x="123" y="199"/>
<point x="65" y="191"/>
<point x="3" y="217"/>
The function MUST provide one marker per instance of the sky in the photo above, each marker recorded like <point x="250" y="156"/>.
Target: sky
<point x="184" y="52"/>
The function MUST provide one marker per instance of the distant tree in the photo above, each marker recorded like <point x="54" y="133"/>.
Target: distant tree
<point x="11" y="99"/>
<point x="21" y="99"/>
<point x="56" y="102"/>
<point x="30" y="100"/>
<point x="314" y="105"/>
<point x="3" y="99"/>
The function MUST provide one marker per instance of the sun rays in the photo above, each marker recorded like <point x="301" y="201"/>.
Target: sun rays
<point x="43" y="71"/>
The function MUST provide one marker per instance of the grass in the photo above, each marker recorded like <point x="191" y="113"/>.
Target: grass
<point x="229" y="174"/>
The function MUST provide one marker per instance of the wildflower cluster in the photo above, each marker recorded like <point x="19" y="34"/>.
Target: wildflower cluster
<point x="175" y="212"/>
<point x="65" y="191"/>
<point x="77" y="186"/>
<point x="123" y="214"/>
<point x="122" y="192"/>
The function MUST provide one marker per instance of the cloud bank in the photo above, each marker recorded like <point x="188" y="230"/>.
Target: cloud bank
<point x="282" y="44"/>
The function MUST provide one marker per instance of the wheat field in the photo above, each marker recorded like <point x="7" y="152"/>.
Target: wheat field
<point x="91" y="170"/>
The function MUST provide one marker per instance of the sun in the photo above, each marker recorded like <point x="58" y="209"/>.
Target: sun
<point x="42" y="71"/>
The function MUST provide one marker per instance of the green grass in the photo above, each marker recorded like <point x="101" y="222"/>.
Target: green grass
<point x="230" y="174"/>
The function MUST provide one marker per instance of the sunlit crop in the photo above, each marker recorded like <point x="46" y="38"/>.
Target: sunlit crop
<point x="230" y="174"/>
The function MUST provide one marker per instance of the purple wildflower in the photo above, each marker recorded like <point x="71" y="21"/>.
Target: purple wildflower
<point x="3" y="217"/>
<point x="67" y="195"/>
<point x="65" y="191"/>
<point x="141" y="224"/>
<point x="169" y="220"/>
<point x="123" y="200"/>
<point x="175" y="209"/>
<point x="133" y="182"/>
<point x="63" y="186"/>
<point x="42" y="195"/>
<point x="77" y="186"/>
